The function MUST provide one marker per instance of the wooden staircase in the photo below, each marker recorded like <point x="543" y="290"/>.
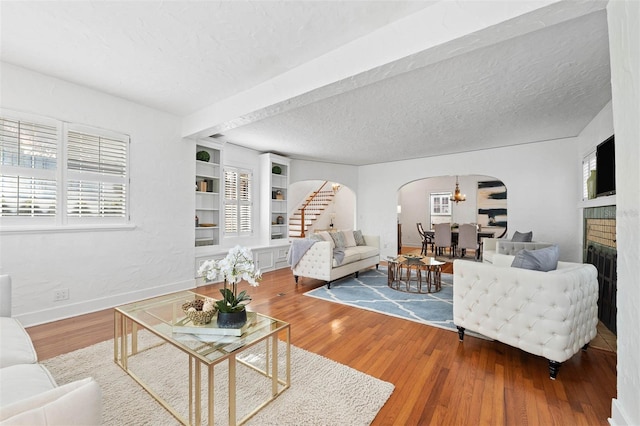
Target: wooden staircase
<point x="310" y="209"/>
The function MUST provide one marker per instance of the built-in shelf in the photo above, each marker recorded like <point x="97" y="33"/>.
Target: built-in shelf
<point x="207" y="199"/>
<point x="609" y="200"/>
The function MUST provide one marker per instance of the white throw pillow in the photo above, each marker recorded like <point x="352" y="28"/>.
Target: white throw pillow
<point x="349" y="239"/>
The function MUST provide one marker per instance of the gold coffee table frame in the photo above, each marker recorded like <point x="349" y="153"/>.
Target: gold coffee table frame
<point x="159" y="314"/>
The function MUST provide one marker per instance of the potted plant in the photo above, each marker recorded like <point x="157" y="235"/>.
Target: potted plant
<point x="238" y="265"/>
<point x="203" y="156"/>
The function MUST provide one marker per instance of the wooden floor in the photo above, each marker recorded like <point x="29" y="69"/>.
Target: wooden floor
<point x="437" y="379"/>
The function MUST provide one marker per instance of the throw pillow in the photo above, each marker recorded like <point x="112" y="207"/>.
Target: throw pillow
<point x="544" y="260"/>
<point x="338" y="239"/>
<point x="349" y="239"/>
<point x="357" y="235"/>
<point x="522" y="237"/>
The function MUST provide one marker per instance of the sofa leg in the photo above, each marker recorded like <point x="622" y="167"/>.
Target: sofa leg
<point x="461" y="333"/>
<point x="296" y="278"/>
<point x="584" y="348"/>
<point x="328" y="284"/>
<point x="377" y="266"/>
<point x="554" y="366"/>
<point x="357" y="274"/>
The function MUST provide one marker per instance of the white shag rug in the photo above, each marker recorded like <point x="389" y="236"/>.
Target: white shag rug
<point x="322" y="392"/>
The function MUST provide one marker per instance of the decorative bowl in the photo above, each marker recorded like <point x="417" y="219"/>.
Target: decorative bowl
<point x="197" y="315"/>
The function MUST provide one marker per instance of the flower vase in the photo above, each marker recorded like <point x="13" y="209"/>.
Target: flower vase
<point x="232" y="319"/>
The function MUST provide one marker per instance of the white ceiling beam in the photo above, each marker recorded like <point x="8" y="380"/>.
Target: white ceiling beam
<point x="446" y="29"/>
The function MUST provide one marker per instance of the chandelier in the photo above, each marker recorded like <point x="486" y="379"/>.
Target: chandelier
<point x="457" y="196"/>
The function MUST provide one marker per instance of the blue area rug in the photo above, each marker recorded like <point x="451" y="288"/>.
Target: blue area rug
<point x="370" y="291"/>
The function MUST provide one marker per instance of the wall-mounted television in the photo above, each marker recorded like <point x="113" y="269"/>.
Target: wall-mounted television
<point x="606" y="168"/>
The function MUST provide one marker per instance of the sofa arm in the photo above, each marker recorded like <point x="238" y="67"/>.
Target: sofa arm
<point x="372" y="240"/>
<point x="513" y="247"/>
<point x="5" y="296"/>
<point x="316" y="262"/>
<point x="76" y="403"/>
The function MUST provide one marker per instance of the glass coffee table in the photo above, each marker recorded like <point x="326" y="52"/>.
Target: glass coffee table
<point x="256" y="349"/>
<point x="414" y="274"/>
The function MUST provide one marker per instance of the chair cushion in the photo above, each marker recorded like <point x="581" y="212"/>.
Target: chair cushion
<point x="23" y="381"/>
<point x="76" y="403"/>
<point x="545" y="259"/>
<point x="522" y="237"/>
<point x="15" y="344"/>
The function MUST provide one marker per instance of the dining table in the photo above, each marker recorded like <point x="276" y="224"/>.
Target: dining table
<point x="486" y="232"/>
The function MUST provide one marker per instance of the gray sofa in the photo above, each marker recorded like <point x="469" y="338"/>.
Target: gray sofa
<point x="29" y="394"/>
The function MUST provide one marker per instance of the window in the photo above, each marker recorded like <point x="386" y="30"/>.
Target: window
<point x="588" y="164"/>
<point x="440" y="204"/>
<point x="29" y="158"/>
<point x="55" y="173"/>
<point x="237" y="202"/>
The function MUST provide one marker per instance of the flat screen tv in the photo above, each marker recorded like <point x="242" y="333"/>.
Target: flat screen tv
<point x="606" y="168"/>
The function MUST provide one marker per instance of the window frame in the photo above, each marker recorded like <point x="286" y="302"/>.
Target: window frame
<point x="62" y="220"/>
<point x="439" y="197"/>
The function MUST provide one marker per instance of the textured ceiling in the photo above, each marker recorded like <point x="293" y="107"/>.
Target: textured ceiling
<point x="179" y="56"/>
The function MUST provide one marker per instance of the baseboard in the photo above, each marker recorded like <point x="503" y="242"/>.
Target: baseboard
<point x="619" y="415"/>
<point x="88" y="306"/>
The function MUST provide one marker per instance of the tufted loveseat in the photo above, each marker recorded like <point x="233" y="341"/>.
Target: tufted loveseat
<point x="320" y="263"/>
<point x="551" y="314"/>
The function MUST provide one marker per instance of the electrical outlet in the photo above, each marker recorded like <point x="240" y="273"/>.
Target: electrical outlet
<point x="62" y="294"/>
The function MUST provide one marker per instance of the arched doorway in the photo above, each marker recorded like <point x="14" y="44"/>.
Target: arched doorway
<point x="336" y="208"/>
<point x="426" y="201"/>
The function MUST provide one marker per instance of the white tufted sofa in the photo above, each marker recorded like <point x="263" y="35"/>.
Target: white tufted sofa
<point x="493" y="246"/>
<point x="29" y="394"/>
<point x="551" y="314"/>
<point x="318" y="261"/>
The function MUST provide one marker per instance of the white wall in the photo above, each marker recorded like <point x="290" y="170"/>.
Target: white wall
<point x="624" y="46"/>
<point x="543" y="180"/>
<point x="105" y="268"/>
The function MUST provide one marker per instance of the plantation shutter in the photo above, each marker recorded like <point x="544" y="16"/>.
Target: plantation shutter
<point x="230" y="201"/>
<point x="96" y="174"/>
<point x="237" y="202"/>
<point x="245" y="202"/>
<point x="28" y="156"/>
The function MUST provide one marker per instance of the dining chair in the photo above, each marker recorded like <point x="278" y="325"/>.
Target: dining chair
<point x="443" y="238"/>
<point x="427" y="240"/>
<point x="468" y="240"/>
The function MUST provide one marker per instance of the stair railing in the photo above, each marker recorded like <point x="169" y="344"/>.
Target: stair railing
<point x="306" y="204"/>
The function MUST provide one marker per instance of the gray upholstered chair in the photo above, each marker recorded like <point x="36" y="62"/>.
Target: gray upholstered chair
<point x="468" y="240"/>
<point x="443" y="238"/>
